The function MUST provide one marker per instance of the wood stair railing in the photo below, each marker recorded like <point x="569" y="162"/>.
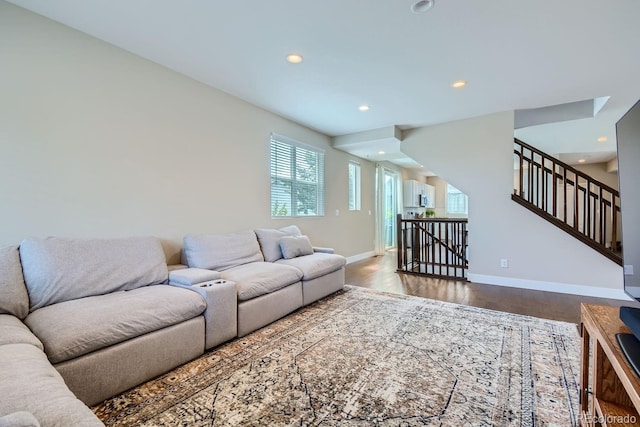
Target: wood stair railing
<point x="582" y="206"/>
<point x="435" y="247"/>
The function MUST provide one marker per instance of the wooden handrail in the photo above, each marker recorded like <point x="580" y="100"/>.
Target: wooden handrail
<point x="591" y="214"/>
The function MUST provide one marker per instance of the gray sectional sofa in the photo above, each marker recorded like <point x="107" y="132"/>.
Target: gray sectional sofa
<point x="82" y="320"/>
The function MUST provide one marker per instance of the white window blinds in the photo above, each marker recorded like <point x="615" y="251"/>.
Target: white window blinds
<point x="297" y="178"/>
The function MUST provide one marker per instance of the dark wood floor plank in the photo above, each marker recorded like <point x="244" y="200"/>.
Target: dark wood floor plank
<point x="380" y="273"/>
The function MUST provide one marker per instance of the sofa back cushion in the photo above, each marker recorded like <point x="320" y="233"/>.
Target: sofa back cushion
<point x="13" y="293"/>
<point x="269" y="239"/>
<point x="221" y="251"/>
<point x="62" y="269"/>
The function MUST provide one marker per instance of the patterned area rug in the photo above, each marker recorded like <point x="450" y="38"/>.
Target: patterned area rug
<point x="362" y="358"/>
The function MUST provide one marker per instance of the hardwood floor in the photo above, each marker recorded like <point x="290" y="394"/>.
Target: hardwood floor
<point x="380" y="273"/>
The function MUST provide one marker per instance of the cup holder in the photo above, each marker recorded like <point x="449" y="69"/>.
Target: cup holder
<point x="215" y="282"/>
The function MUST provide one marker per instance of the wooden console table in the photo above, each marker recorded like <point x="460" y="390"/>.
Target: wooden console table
<point x="609" y="387"/>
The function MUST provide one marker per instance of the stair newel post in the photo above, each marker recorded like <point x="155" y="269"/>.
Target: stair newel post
<point x="464" y="245"/>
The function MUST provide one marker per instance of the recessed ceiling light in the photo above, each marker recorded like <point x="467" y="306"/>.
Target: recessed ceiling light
<point x="422" y="6"/>
<point x="459" y="83"/>
<point x="581" y="161"/>
<point x="363" y="108"/>
<point x="381" y="152"/>
<point x="294" y="58"/>
<point x="602" y="139"/>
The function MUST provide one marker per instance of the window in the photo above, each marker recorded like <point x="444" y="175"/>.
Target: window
<point x="297" y="178"/>
<point x="457" y="201"/>
<point x="354" y="186"/>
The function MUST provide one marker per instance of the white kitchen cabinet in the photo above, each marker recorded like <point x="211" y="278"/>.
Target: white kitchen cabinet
<point x="413" y="190"/>
<point x="410" y="194"/>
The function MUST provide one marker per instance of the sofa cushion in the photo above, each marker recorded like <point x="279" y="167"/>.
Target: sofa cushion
<point x="73" y="328"/>
<point x="260" y="278"/>
<point x="315" y="265"/>
<point x="269" y="239"/>
<point x="13" y="331"/>
<point x="13" y="293"/>
<point x="30" y="383"/>
<point x="295" y="246"/>
<point x="61" y="269"/>
<point x="221" y="251"/>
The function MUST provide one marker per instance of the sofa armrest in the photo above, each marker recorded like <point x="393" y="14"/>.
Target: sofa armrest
<point x="19" y="419"/>
<point x="192" y="276"/>
<point x="323" y="250"/>
<point x="221" y="314"/>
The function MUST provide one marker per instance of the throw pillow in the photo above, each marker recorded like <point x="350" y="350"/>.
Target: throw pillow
<point x="295" y="246"/>
<point x="269" y="239"/>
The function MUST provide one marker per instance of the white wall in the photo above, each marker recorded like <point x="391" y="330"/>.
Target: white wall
<point x="95" y="141"/>
<point x="476" y="156"/>
<point x="599" y="172"/>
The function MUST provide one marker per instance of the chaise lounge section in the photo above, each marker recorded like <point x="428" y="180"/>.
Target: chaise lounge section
<point x="33" y="392"/>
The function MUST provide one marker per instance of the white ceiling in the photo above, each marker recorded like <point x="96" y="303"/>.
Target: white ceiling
<point x="515" y="54"/>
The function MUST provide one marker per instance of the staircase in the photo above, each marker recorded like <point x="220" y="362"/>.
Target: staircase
<point x="572" y="200"/>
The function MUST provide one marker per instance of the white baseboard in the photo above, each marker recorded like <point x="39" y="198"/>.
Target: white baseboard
<point x="360" y="257"/>
<point x="563" y="288"/>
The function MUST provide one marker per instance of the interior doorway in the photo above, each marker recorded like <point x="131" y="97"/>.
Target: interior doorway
<point x="390" y="198"/>
<point x="387" y="208"/>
